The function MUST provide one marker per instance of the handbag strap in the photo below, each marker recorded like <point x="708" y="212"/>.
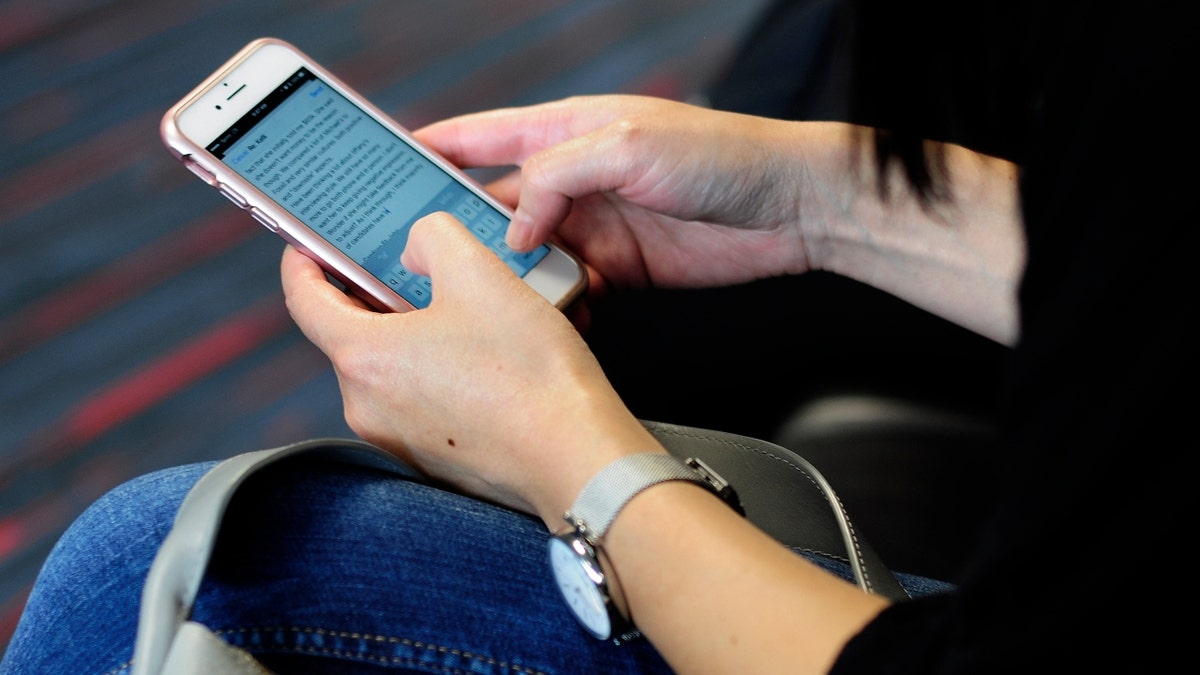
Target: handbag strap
<point x="175" y="575"/>
<point x="785" y="496"/>
<point x="775" y="486"/>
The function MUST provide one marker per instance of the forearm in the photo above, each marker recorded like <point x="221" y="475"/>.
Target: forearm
<point x="960" y="258"/>
<point x="717" y="595"/>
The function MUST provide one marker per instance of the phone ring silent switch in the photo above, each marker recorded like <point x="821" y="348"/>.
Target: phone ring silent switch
<point x="204" y="174"/>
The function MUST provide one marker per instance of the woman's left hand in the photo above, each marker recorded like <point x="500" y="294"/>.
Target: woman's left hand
<point x="489" y="388"/>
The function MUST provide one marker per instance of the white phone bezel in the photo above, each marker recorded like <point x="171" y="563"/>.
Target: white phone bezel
<point x="245" y="80"/>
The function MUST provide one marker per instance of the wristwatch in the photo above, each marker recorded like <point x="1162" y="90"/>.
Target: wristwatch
<point x="575" y="552"/>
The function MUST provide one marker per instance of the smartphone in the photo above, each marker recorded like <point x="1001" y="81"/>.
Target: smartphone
<point x="316" y="163"/>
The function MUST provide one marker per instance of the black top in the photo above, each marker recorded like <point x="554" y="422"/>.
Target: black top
<point x="1085" y="561"/>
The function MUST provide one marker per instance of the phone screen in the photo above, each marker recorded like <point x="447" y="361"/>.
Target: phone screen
<point x="354" y="182"/>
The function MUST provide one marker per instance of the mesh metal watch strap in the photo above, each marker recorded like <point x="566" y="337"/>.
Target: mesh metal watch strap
<point x="608" y="491"/>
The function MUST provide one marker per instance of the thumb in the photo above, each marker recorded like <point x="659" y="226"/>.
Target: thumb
<point x="441" y="247"/>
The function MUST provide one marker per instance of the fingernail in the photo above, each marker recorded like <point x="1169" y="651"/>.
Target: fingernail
<point x="517" y="236"/>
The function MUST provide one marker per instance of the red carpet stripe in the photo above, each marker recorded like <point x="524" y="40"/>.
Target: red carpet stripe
<point x="39" y="185"/>
<point x="175" y="371"/>
<point x="148" y="385"/>
<point x="118" y="282"/>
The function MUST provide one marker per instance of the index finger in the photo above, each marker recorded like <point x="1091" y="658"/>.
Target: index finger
<point x="509" y="136"/>
<point x="320" y="309"/>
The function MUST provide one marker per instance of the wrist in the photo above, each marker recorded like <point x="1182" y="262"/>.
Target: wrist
<point x="588" y="580"/>
<point x="581" y="452"/>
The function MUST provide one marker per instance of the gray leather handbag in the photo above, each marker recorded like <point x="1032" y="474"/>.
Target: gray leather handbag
<point x="780" y="492"/>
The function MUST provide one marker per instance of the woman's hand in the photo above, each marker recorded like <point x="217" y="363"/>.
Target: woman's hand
<point x="489" y="388"/>
<point x="651" y="192"/>
<point x="647" y="191"/>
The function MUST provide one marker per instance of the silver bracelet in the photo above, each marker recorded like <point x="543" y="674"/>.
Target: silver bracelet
<point x="623" y="479"/>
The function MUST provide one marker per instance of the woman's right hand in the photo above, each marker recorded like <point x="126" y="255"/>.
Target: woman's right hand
<point x="652" y="192"/>
<point x="647" y="191"/>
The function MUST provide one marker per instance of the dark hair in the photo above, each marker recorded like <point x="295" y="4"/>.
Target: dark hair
<point x="956" y="71"/>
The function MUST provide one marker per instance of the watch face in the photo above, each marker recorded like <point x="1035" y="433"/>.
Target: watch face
<point x="579" y="578"/>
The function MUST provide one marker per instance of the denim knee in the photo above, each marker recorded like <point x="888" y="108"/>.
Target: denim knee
<point x="82" y="612"/>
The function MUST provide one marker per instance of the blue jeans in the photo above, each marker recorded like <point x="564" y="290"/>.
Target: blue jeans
<point x="338" y="570"/>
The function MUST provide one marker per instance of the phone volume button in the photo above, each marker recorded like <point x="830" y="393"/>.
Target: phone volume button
<point x="264" y="219"/>
<point x="232" y="196"/>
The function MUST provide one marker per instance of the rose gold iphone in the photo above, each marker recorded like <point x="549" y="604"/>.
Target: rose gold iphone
<point x="315" y="162"/>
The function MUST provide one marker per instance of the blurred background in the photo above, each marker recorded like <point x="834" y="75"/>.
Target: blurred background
<point x="141" y="321"/>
